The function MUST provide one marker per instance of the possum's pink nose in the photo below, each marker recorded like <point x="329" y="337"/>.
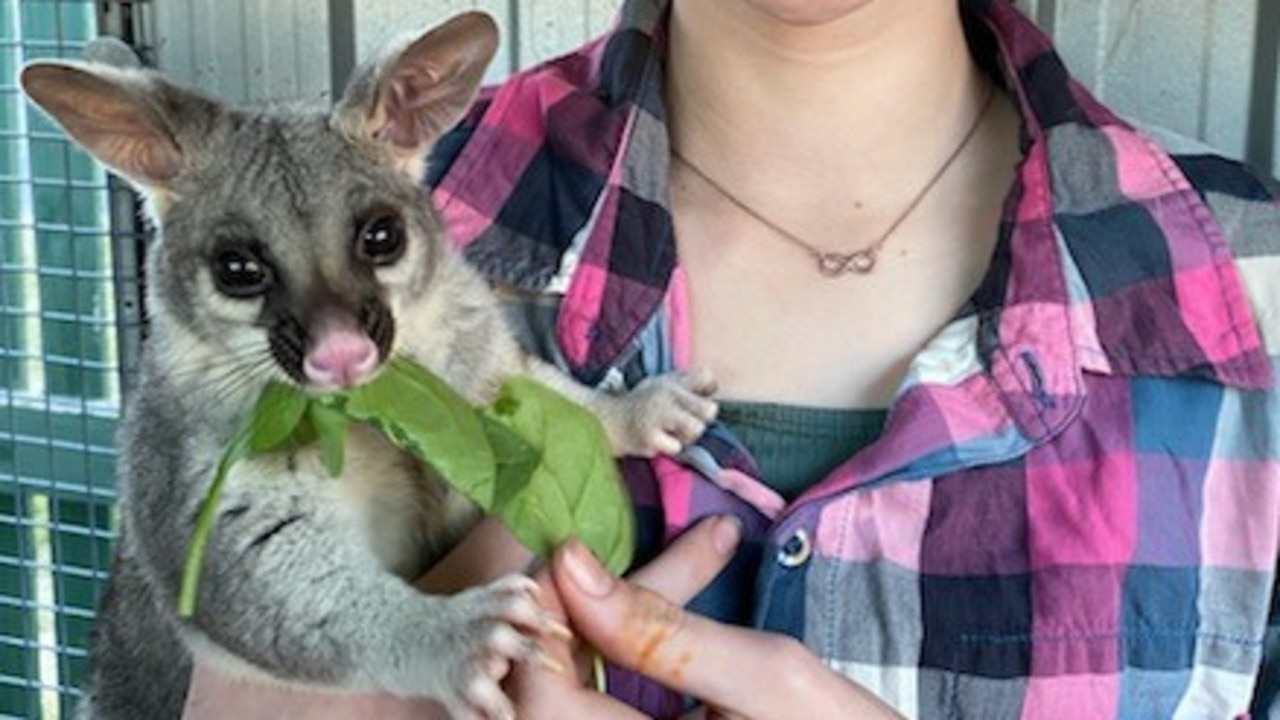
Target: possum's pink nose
<point x="340" y="359"/>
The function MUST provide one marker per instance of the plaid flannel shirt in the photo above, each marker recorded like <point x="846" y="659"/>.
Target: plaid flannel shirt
<point x="1074" y="509"/>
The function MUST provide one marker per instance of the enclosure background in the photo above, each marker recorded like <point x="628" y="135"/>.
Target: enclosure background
<point x="69" y="237"/>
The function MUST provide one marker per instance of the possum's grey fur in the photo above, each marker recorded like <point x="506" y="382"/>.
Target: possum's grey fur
<point x="306" y="578"/>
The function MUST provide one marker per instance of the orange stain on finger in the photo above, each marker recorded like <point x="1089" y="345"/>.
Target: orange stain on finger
<point x="676" y="676"/>
<point x="653" y="622"/>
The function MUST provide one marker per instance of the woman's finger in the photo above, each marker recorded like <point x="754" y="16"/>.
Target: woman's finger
<point x="692" y="561"/>
<point x="742" y="672"/>
<point x="637" y="628"/>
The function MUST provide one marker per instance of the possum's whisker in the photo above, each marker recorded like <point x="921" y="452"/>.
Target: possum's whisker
<point x="232" y="384"/>
<point x="224" y="381"/>
<point x="240" y="359"/>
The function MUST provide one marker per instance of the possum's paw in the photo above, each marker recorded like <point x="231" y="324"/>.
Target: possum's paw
<point x="661" y="415"/>
<point x="498" y="625"/>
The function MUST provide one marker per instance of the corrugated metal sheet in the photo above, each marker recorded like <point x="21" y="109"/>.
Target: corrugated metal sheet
<point x="550" y="27"/>
<point x="1205" y="69"/>
<point x="379" y="21"/>
<point x="252" y="50"/>
<point x="246" y="50"/>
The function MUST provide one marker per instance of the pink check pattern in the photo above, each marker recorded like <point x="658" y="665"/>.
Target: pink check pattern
<point x="1074" y="509"/>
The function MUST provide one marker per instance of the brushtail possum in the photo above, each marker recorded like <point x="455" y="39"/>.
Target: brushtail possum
<point x="300" y="246"/>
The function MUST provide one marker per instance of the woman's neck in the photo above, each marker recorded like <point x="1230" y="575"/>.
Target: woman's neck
<point x="861" y="107"/>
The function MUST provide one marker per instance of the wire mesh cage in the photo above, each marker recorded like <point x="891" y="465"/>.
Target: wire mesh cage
<point x="68" y="301"/>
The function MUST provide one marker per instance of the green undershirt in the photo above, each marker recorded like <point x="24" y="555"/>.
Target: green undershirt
<point x="795" y="447"/>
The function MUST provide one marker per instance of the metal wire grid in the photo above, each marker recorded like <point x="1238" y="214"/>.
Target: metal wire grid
<point x="67" y="291"/>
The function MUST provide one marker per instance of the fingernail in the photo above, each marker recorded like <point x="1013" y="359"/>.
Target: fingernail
<point x="585" y="572"/>
<point x="726" y="534"/>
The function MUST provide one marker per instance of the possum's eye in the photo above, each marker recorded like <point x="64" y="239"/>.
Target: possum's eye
<point x="380" y="239"/>
<point x="240" y="273"/>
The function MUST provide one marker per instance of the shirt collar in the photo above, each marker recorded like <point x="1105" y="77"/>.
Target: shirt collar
<point x="1106" y="242"/>
<point x="1108" y="259"/>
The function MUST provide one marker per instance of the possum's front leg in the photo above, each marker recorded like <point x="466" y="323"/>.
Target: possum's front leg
<point x="661" y="415"/>
<point x="291" y="586"/>
<point x="466" y="335"/>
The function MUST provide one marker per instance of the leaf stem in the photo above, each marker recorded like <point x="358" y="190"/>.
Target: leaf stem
<point x="204" y="527"/>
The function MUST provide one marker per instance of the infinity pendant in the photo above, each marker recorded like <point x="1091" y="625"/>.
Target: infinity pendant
<point x="833" y="264"/>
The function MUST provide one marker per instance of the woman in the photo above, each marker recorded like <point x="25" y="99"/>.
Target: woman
<point x="998" y="428"/>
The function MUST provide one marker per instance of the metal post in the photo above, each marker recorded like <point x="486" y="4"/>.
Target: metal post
<point x="1261" y="148"/>
<point x="342" y="44"/>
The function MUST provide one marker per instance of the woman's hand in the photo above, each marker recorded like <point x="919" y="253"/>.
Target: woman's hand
<point x="679" y="573"/>
<point x="488" y="552"/>
<point x="638" y="623"/>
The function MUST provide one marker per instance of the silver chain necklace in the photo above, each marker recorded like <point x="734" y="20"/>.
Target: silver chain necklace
<point x="832" y="263"/>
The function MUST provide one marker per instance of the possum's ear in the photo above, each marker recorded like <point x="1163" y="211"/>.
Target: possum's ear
<point x="127" y="119"/>
<point x="406" y="100"/>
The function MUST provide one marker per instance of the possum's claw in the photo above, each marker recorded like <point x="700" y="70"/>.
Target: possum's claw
<point x="504" y="618"/>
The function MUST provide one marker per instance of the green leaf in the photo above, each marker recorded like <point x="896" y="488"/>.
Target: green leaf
<point x="306" y="432"/>
<point x="275" y="416"/>
<point x="237" y="450"/>
<point x="420" y="413"/>
<point x="330" y="428"/>
<point x="575" y="489"/>
<point x="516" y="459"/>
<point x="535" y="459"/>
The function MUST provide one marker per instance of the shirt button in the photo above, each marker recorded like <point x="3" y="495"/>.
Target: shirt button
<point x="796" y="550"/>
